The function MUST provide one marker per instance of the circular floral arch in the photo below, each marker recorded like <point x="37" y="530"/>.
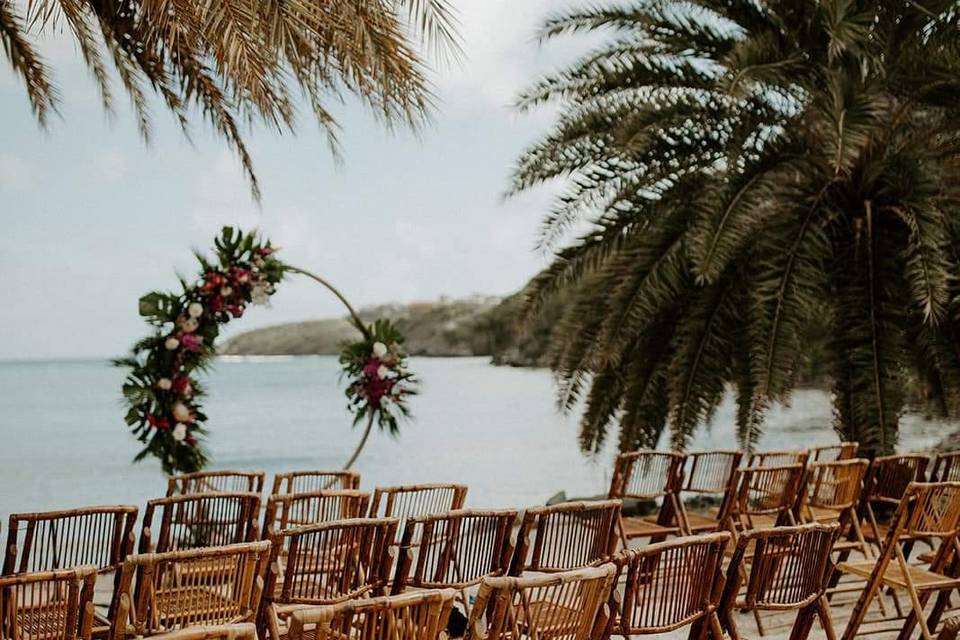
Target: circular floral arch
<point x="162" y="393"/>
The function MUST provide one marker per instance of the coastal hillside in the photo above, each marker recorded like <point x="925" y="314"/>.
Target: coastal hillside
<point x="475" y="326"/>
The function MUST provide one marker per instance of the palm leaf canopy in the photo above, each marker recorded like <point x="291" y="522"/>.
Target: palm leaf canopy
<point x="738" y="172"/>
<point x="240" y="62"/>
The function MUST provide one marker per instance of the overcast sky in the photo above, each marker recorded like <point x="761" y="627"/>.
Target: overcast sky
<point x="92" y="218"/>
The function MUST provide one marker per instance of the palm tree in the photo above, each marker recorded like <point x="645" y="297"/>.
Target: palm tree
<point x="239" y="62"/>
<point x="740" y="172"/>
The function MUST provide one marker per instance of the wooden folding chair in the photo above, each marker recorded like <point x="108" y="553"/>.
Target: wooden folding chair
<point x="788" y="570"/>
<point x="98" y="536"/>
<point x="765" y="497"/>
<point x="649" y="476"/>
<point x="846" y="450"/>
<point x="199" y="520"/>
<point x="326" y="563"/>
<point x="288" y="510"/>
<point x="224" y="481"/>
<point x="570" y="535"/>
<point x="422" y="615"/>
<point x="239" y="631"/>
<point x="48" y="605"/>
<point x="832" y="494"/>
<point x="778" y="458"/>
<point x="407" y="501"/>
<point x="310" y="481"/>
<point x="455" y="550"/>
<point x="927" y="510"/>
<point x="161" y="592"/>
<point x="670" y="585"/>
<point x="884" y="485"/>
<point x="709" y="474"/>
<point x="558" y="606"/>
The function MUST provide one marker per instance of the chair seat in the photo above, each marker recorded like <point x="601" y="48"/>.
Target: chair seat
<point x="893" y="577"/>
<point x="642" y="528"/>
<point x="823" y="514"/>
<point x="551" y="619"/>
<point x="701" y="522"/>
<point x="44" y="620"/>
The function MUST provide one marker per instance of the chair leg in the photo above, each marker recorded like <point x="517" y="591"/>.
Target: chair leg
<point x="912" y="592"/>
<point x="803" y="623"/>
<point x="715" y="627"/>
<point x="623" y="535"/>
<point x="826" y="619"/>
<point x="756" y="617"/>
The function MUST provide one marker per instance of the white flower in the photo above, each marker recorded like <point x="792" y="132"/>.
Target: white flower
<point x="379" y="349"/>
<point x="164" y="383"/>
<point x="195" y="310"/>
<point x="382" y="371"/>
<point x="180" y="411"/>
<point x="260" y="294"/>
<point x="225" y="291"/>
<point x="171" y="343"/>
<point x="180" y="432"/>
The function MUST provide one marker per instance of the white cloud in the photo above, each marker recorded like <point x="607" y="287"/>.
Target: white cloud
<point x="109" y="167"/>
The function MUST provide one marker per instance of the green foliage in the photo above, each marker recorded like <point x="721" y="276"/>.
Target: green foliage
<point x="762" y="185"/>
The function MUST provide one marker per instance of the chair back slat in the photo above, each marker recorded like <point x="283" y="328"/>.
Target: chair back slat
<point x="408" y="501"/>
<point x="567" y="536"/>
<point x="789" y="566"/>
<point x="835" y="452"/>
<point x="220" y="481"/>
<point x="646" y="474"/>
<point x="671" y="584"/>
<point x="560" y="606"/>
<point x="710" y="472"/>
<point x="934" y="510"/>
<point x="288" y="510"/>
<point x="766" y="491"/>
<point x="421" y="615"/>
<point x="331" y="561"/>
<point x="835" y="485"/>
<point x="947" y="467"/>
<point x="199" y="520"/>
<point x="311" y="481"/>
<point x="456" y="549"/>
<point x="98" y="536"/>
<point x="192" y="587"/>
<point x="48" y="605"/>
<point x="889" y="476"/>
<point x="778" y="458"/>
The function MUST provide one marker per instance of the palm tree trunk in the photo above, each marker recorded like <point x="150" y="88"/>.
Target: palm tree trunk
<point x="363" y="441"/>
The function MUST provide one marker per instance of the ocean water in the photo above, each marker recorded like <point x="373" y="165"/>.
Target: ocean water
<point x="63" y="442"/>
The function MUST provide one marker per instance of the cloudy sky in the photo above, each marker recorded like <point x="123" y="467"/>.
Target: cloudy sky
<point x="92" y="218"/>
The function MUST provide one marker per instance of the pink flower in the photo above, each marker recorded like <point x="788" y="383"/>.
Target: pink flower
<point x="157" y="422"/>
<point x="235" y="310"/>
<point x="181" y="386"/>
<point x="191" y="342"/>
<point x="370" y="369"/>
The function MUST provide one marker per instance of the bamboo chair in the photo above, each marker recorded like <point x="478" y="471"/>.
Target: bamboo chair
<point x="789" y="571"/>
<point x="946" y="468"/>
<point x="832" y="453"/>
<point x="566" y="536"/>
<point x="455" y="550"/>
<point x="765" y="497"/>
<point x="559" y="606"/>
<point x="832" y="495"/>
<point x="288" y="510"/>
<point x="200" y="520"/>
<point x="407" y="501"/>
<point x="671" y="585"/>
<point x="216" y="482"/>
<point x="310" y="481"/>
<point x="239" y="631"/>
<point x="885" y="483"/>
<point x="410" y="616"/>
<point x="48" y="605"/>
<point x="650" y="475"/>
<point x="326" y="563"/>
<point x="709" y="474"/>
<point x="98" y="536"/>
<point x="778" y="458"/>
<point x="927" y="510"/>
<point x="192" y="587"/>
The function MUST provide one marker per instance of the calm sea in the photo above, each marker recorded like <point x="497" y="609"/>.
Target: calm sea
<point x="63" y="442"/>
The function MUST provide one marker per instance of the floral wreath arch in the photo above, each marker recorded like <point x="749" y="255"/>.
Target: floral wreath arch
<point x="161" y="391"/>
